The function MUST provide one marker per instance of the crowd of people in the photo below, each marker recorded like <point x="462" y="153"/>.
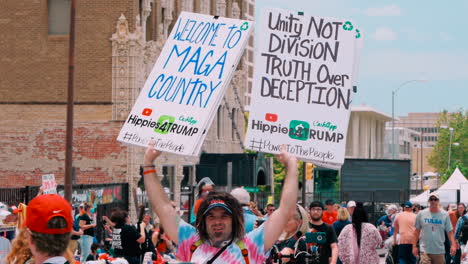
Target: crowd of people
<point x="229" y="228"/>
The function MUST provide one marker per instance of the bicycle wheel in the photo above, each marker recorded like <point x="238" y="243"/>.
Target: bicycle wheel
<point x="389" y="259"/>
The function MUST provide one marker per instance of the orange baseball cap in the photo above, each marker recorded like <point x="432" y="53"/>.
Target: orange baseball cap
<point x="43" y="208"/>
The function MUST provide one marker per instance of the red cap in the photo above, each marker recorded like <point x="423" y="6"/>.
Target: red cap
<point x="43" y="208"/>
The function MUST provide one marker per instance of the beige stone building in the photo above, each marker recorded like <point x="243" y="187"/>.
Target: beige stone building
<point x="428" y="127"/>
<point x="366" y="133"/>
<point x="117" y="42"/>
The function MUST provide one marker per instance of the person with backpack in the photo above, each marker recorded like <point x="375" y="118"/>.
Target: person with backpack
<point x="461" y="230"/>
<point x="219" y="234"/>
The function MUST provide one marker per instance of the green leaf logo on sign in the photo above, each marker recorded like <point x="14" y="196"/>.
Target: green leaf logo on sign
<point x="244" y="26"/>
<point x="358" y="34"/>
<point x="348" y="26"/>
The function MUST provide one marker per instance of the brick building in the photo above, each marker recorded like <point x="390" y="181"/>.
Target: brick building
<point x="117" y="42"/>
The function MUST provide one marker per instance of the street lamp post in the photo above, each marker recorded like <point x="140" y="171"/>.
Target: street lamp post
<point x="450" y="147"/>
<point x="393" y="112"/>
<point x="450" y="143"/>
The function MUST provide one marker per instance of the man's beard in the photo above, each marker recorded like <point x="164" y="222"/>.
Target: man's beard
<point x="316" y="219"/>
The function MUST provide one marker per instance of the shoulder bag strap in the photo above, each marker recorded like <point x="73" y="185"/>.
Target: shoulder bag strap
<point x="219" y="253"/>
<point x="244" y="251"/>
<point x="194" y="247"/>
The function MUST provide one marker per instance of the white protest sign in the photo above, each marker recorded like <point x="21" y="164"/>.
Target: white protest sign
<point x="302" y="87"/>
<point x="49" y="185"/>
<point x="359" y="44"/>
<point x="187" y="83"/>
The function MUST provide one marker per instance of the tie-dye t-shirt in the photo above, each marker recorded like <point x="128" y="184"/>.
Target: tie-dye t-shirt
<point x="253" y="242"/>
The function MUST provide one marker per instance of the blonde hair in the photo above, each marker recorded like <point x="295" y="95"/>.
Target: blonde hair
<point x="20" y="251"/>
<point x="343" y="214"/>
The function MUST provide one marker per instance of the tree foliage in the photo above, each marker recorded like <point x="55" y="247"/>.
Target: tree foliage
<point x="459" y="153"/>
<point x="279" y="171"/>
<point x="453" y="166"/>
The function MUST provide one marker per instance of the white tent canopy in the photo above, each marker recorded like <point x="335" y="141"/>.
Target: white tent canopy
<point x="421" y="198"/>
<point x="447" y="192"/>
<point x="453" y="183"/>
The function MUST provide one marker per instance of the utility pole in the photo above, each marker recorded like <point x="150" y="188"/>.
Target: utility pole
<point x="450" y="148"/>
<point x="70" y="102"/>
<point x="393" y="112"/>
<point x="421" y="167"/>
<point x="304" y="168"/>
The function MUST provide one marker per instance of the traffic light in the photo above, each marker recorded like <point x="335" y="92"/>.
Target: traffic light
<point x="309" y="171"/>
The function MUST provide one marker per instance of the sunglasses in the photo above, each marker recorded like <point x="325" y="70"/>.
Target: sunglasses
<point x="433" y="199"/>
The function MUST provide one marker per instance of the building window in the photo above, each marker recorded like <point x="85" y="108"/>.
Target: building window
<point x="59" y="17"/>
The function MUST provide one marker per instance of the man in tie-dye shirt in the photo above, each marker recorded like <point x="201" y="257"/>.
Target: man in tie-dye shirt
<point x="220" y="221"/>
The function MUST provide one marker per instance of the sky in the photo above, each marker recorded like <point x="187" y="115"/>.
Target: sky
<point x="423" y="42"/>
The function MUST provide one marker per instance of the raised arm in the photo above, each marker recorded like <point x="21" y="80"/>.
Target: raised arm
<point x="159" y="201"/>
<point x="108" y="221"/>
<point x="277" y="221"/>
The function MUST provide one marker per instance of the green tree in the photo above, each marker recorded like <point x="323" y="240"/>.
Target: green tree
<point x="453" y="166"/>
<point x="439" y="156"/>
<point x="279" y="171"/>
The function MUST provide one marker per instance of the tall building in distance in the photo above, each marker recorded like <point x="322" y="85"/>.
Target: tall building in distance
<point x="424" y="123"/>
<point x="406" y="140"/>
<point x="427" y="127"/>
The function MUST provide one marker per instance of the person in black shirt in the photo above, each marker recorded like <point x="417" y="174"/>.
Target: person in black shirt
<point x="125" y="238"/>
<point x="328" y="252"/>
<point x="148" y="245"/>
<point x="87" y="225"/>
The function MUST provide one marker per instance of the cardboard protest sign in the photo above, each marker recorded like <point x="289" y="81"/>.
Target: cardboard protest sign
<point x="359" y="44"/>
<point x="187" y="83"/>
<point x="49" y="185"/>
<point x="302" y="89"/>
